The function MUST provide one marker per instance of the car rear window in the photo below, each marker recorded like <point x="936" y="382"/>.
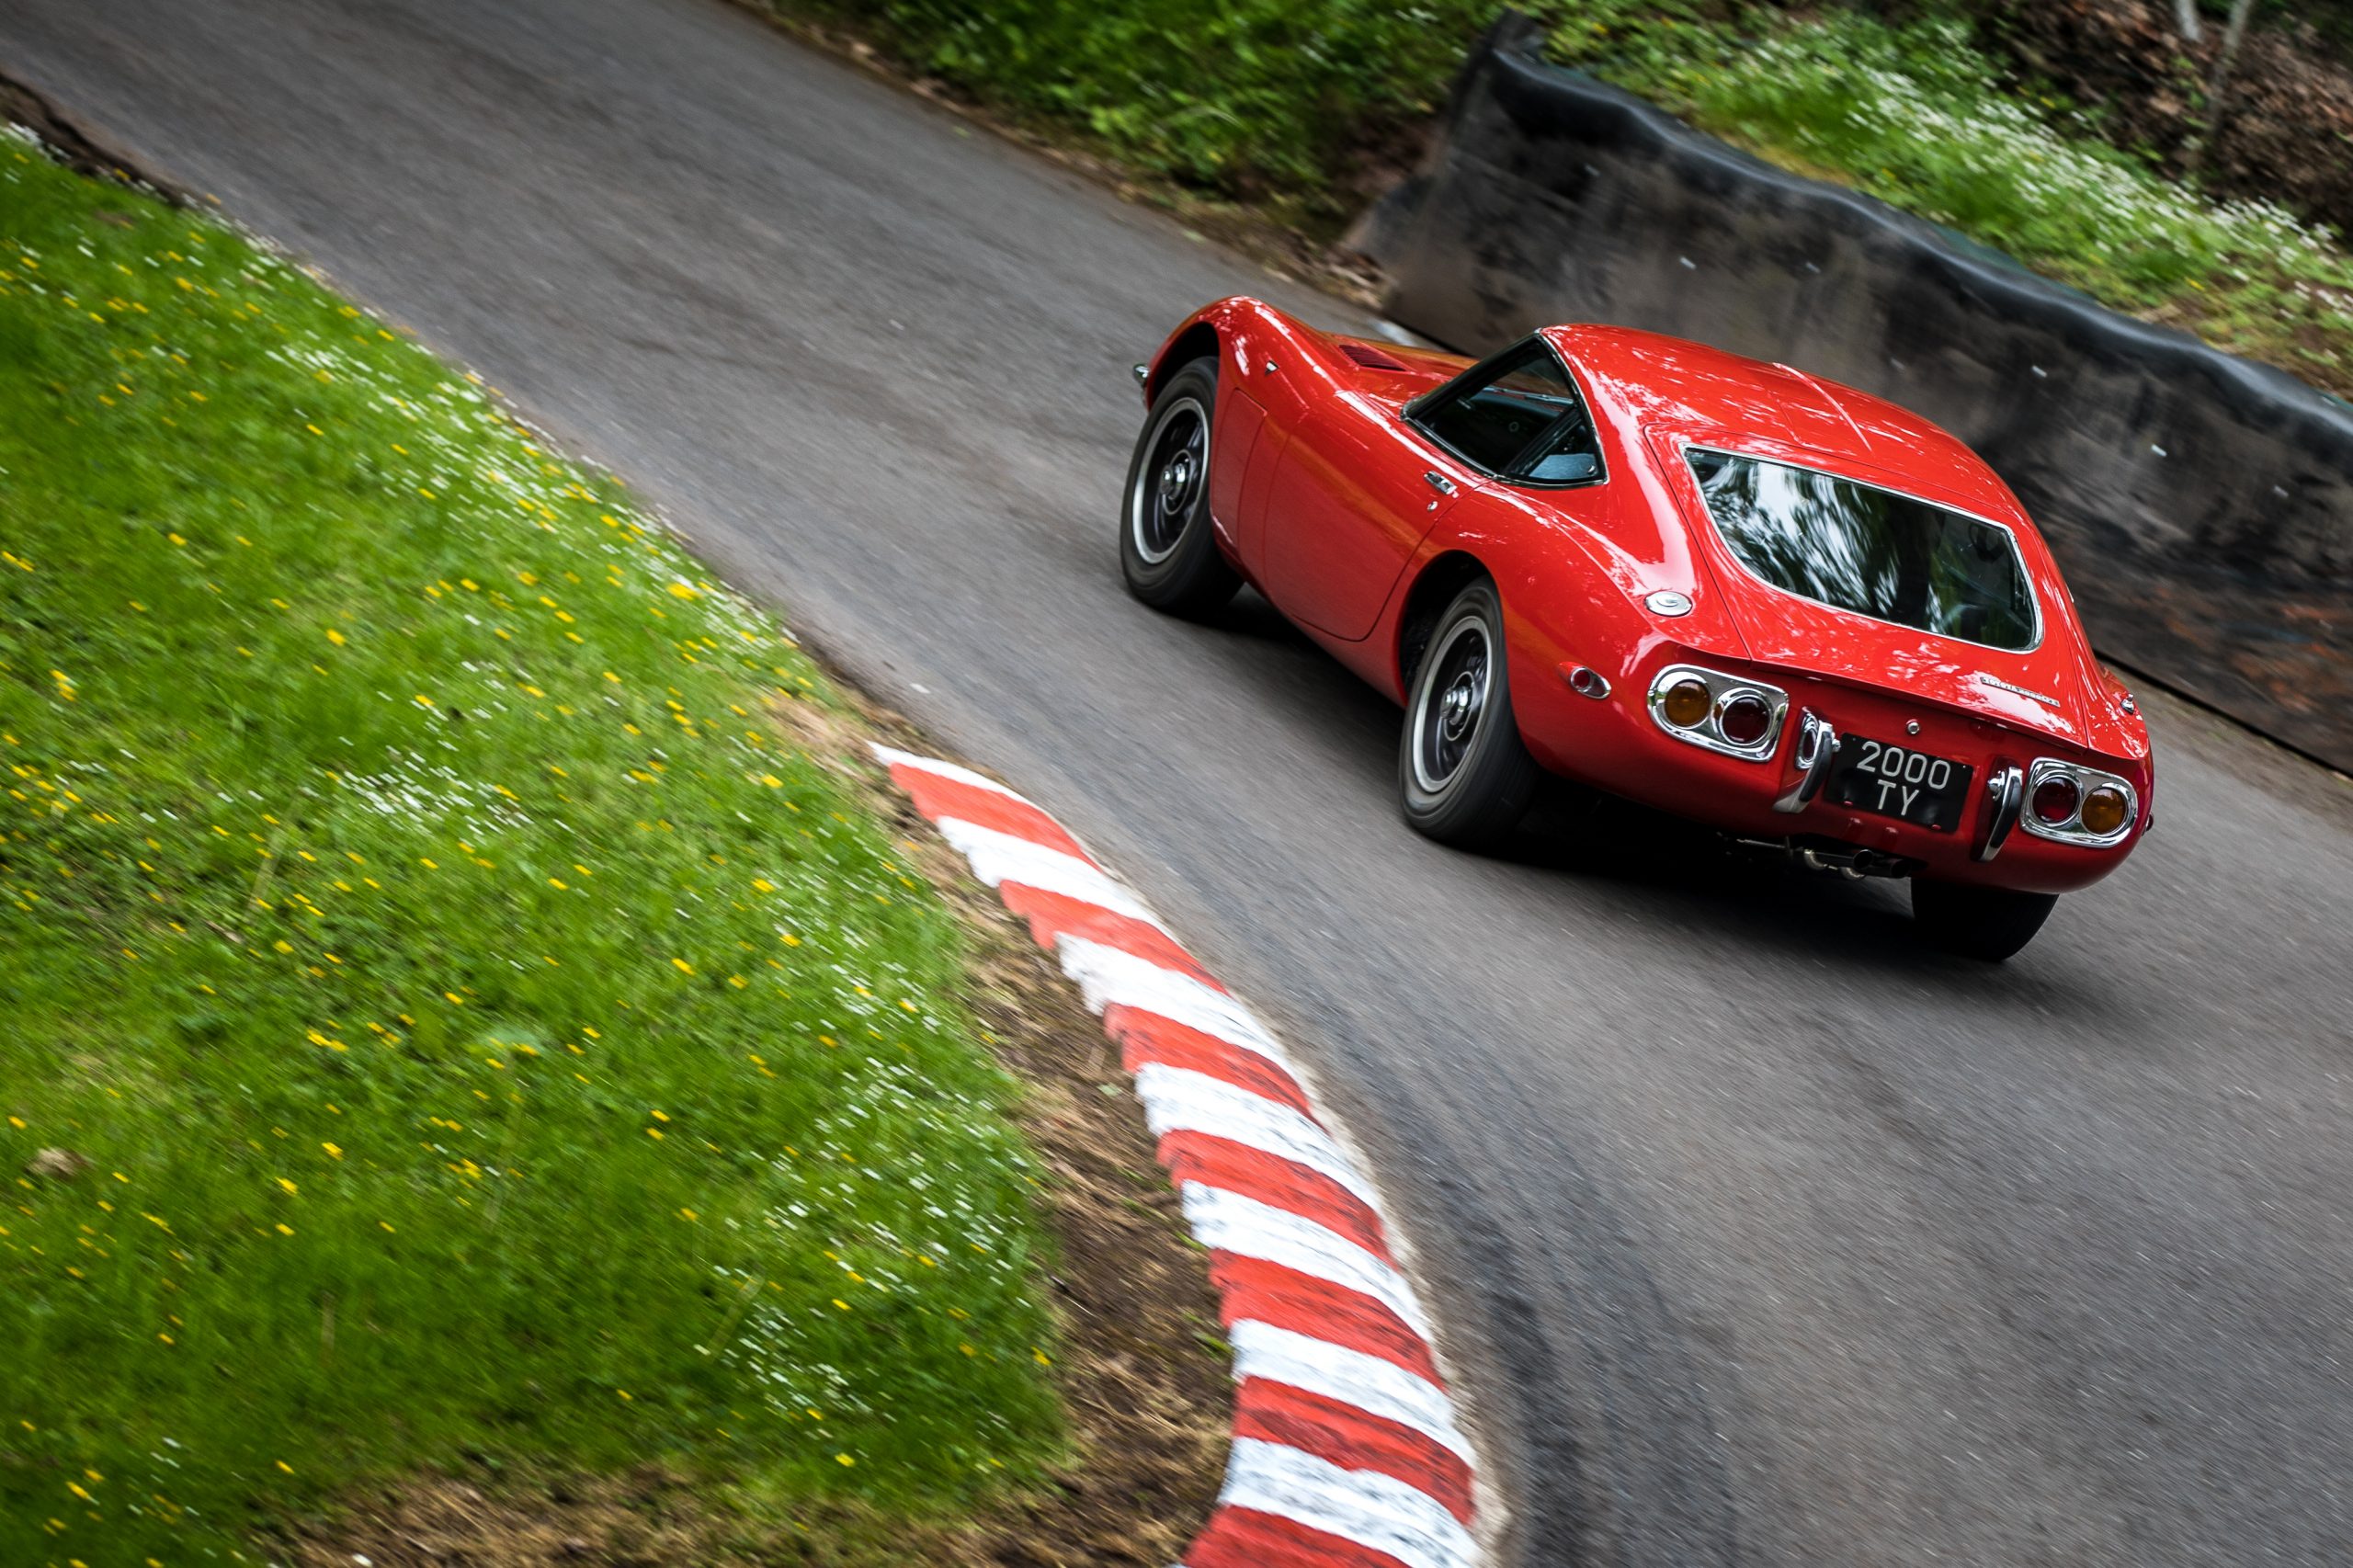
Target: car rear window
<point x="1856" y="547"/>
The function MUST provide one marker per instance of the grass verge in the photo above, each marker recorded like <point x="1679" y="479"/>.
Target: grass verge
<point x="1302" y="110"/>
<point x="448" y="1025"/>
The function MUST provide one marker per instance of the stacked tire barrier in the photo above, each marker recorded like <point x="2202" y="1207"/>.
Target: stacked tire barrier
<point x="2200" y="504"/>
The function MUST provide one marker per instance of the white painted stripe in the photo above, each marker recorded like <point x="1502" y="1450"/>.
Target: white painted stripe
<point x="890" y="756"/>
<point x="1178" y="1100"/>
<point x="1373" y="1385"/>
<point x="1229" y="1223"/>
<point x="1000" y="858"/>
<point x="1362" y="1505"/>
<point x="1377" y="1511"/>
<point x="1107" y="975"/>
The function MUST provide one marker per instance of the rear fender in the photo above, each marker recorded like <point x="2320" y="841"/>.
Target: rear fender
<point x="1571" y="598"/>
<point x="1247" y="337"/>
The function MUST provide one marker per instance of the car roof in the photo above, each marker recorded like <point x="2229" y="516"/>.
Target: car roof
<point x="1691" y="392"/>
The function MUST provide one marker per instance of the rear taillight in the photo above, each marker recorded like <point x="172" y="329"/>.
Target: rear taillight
<point x="2056" y="799"/>
<point x="1723" y="713"/>
<point x="2104" y="811"/>
<point x="2074" y="804"/>
<point x="1745" y="718"/>
<point x="1685" y="703"/>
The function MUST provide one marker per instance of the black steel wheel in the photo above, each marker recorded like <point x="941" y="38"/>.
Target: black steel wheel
<point x="1464" y="776"/>
<point x="1168" y="554"/>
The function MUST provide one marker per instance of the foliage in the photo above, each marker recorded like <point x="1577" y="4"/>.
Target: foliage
<point x="1912" y="114"/>
<point x="1244" y="97"/>
<point x="1281" y="103"/>
<point x="443" y="1020"/>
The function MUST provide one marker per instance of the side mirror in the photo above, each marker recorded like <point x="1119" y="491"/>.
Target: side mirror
<point x="1566" y="468"/>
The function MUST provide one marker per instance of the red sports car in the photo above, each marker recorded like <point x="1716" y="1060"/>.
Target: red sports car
<point x="1725" y="588"/>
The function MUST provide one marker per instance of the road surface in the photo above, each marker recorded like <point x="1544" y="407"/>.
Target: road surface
<point x="1759" y="1235"/>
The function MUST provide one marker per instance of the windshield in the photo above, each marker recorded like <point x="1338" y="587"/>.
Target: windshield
<point x="1856" y="547"/>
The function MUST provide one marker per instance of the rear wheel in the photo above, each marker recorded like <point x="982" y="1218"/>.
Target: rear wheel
<point x="1463" y="776"/>
<point x="1168" y="552"/>
<point x="1992" y="924"/>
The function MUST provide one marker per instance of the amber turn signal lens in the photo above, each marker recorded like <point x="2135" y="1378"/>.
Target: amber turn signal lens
<point x="1685" y="703"/>
<point x="1745" y="720"/>
<point x="2055" y="799"/>
<point x="2103" y="811"/>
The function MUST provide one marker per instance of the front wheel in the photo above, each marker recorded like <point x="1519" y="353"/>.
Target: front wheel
<point x="1167" y="552"/>
<point x="1463" y="776"/>
<point x="1992" y="924"/>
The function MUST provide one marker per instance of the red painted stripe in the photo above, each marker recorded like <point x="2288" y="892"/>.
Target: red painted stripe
<point x="1251" y="1290"/>
<point x="1244" y="1538"/>
<point x="1147" y="1037"/>
<point x="1054" y="916"/>
<point x="1352" y="1439"/>
<point x="937" y="797"/>
<point x="1254" y="1173"/>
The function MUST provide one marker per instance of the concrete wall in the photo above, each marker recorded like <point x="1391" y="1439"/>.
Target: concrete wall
<point x="2201" y="506"/>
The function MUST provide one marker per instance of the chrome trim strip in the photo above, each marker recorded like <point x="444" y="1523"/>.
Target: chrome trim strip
<point x="1817" y="747"/>
<point x="2005" y="794"/>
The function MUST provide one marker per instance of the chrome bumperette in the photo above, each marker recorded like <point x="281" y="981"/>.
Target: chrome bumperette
<point x="1817" y="747"/>
<point x="1722" y="689"/>
<point x="2004" y="795"/>
<point x="2086" y="779"/>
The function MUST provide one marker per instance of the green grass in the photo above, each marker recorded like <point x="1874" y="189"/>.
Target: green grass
<point x="1285" y="103"/>
<point x="487" y="1042"/>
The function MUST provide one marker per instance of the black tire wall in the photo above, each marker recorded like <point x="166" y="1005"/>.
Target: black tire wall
<point x="2200" y="504"/>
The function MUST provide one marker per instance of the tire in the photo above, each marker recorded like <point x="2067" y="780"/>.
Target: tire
<point x="1169" y="551"/>
<point x="1992" y="924"/>
<point x="1463" y="777"/>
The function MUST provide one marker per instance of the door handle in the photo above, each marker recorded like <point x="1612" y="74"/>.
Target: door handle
<point x="1437" y="482"/>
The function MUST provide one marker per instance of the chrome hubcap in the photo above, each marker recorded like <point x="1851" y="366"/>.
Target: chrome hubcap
<point x="1168" y="488"/>
<point x="1459" y="707"/>
<point x="1452" y="699"/>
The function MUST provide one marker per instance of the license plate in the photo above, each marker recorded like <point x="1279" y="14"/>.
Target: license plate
<point x="1893" y="782"/>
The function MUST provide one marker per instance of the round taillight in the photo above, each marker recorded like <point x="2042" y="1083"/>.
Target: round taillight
<point x="1685" y="703"/>
<point x="1745" y="720"/>
<point x="2103" y="811"/>
<point x="2055" y="800"/>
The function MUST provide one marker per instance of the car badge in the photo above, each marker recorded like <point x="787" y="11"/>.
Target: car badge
<point x="1667" y="601"/>
<point x="1985" y="679"/>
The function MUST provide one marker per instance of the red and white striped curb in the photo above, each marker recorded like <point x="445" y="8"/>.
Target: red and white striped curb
<point x="1346" y="1453"/>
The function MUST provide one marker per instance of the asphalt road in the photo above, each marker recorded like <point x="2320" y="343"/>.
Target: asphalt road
<point x="1759" y="1235"/>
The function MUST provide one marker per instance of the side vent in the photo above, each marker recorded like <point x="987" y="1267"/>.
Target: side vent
<point x="1372" y="359"/>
